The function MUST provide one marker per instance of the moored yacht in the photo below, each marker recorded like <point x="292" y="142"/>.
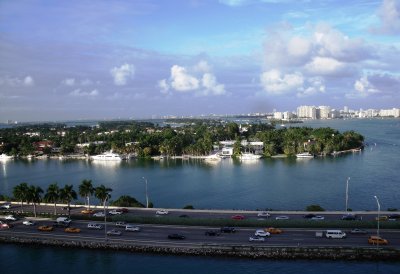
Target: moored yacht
<point x="212" y="157"/>
<point x="108" y="156"/>
<point x="249" y="156"/>
<point x="305" y="155"/>
<point x="6" y="157"/>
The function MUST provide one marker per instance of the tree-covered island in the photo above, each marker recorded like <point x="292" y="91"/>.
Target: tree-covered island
<point x="182" y="137"/>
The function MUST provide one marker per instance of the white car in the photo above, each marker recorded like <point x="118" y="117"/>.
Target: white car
<point x="28" y="222"/>
<point x="282" y="218"/>
<point x="115" y="212"/>
<point x="263" y="214"/>
<point x="318" y="218"/>
<point x="114" y="232"/>
<point x="10" y="218"/>
<point x="256" y="239"/>
<point x="121" y="224"/>
<point x="162" y="212"/>
<point x="5" y="206"/>
<point x="99" y="214"/>
<point x="262" y="233"/>
<point x="132" y="228"/>
<point x="95" y="226"/>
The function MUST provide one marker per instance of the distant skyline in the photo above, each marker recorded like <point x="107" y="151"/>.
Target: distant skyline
<point x="88" y="59"/>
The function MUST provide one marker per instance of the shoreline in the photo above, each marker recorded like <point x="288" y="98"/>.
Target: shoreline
<point x="211" y="250"/>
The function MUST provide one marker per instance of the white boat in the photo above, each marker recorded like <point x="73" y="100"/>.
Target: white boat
<point x="249" y="156"/>
<point x="212" y="157"/>
<point x="305" y="155"/>
<point x="6" y="157"/>
<point x="108" y="156"/>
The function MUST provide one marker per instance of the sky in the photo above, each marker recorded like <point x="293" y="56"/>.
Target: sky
<point x="92" y="59"/>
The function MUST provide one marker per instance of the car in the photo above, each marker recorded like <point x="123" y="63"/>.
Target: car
<point x="45" y="228"/>
<point x="114" y="232"/>
<point x="115" y="212"/>
<point x="162" y="212"/>
<point x="273" y="230"/>
<point x="183" y="216"/>
<point x="349" y="217"/>
<point x="394" y="217"/>
<point x="228" y="229"/>
<point x="10" y="218"/>
<point x="64" y="220"/>
<point x="95" y="226"/>
<point x="282" y="218"/>
<point x="72" y="230"/>
<point x="133" y="228"/>
<point x="318" y="218"/>
<point x="60" y="224"/>
<point x="382" y="218"/>
<point x="263" y="214"/>
<point x="28" y="222"/>
<point x="212" y="233"/>
<point x="237" y="217"/>
<point x="256" y="239"/>
<point x="66" y="208"/>
<point x="99" y="214"/>
<point x="358" y="231"/>
<point x="376" y="240"/>
<point x="5" y="206"/>
<point x="262" y="233"/>
<point x="4" y="225"/>
<point x="87" y="211"/>
<point x="176" y="236"/>
<point x="120" y="224"/>
<point x="309" y="216"/>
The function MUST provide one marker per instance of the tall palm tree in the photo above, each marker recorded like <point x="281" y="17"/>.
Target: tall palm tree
<point x="53" y="195"/>
<point x="103" y="194"/>
<point x="67" y="194"/>
<point x="86" y="190"/>
<point x="20" y="193"/>
<point x="34" y="196"/>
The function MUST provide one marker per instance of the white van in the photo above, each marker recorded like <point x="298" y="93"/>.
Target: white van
<point x="335" y="234"/>
<point x="64" y="220"/>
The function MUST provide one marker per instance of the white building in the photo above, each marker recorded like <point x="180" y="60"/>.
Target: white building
<point x="307" y="112"/>
<point x="394" y="112"/>
<point x="324" y="112"/>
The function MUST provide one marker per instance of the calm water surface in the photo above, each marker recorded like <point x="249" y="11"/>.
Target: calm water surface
<point x="266" y="183"/>
<point x="18" y="259"/>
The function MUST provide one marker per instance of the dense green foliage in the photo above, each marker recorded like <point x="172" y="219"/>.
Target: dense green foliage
<point x="314" y="208"/>
<point x="197" y="137"/>
<point x="126" y="201"/>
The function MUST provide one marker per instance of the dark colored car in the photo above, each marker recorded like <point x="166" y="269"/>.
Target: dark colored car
<point x="394" y="217"/>
<point x="176" y="236"/>
<point x="60" y="224"/>
<point x="237" y="217"/>
<point x="358" y="231"/>
<point x="212" y="233"/>
<point x="183" y="216"/>
<point x="228" y="229"/>
<point x="309" y="216"/>
<point x="349" y="217"/>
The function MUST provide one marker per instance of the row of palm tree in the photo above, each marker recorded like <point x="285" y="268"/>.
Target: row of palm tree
<point x="54" y="194"/>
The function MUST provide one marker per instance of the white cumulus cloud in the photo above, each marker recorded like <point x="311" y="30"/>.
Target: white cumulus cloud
<point x="80" y="93"/>
<point x="324" y="66"/>
<point x="364" y="87"/>
<point x="68" y="82"/>
<point x="122" y="74"/>
<point x="273" y="81"/>
<point x="198" y="79"/>
<point x="27" y="81"/>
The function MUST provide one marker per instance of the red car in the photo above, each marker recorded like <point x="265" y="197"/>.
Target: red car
<point x="237" y="217"/>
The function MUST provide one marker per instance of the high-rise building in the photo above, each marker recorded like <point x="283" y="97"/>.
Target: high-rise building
<point x="307" y="112"/>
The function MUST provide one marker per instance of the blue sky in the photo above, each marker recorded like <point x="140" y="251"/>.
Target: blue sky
<point x="87" y="59"/>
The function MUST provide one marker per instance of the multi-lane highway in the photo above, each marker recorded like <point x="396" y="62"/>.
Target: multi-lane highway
<point x="157" y="235"/>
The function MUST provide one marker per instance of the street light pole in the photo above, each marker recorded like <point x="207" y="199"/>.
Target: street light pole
<point x="147" y="196"/>
<point x="347" y="193"/>
<point x="105" y="218"/>
<point x="379" y="212"/>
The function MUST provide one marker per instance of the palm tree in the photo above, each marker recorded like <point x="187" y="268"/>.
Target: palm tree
<point x="34" y="196"/>
<point x="86" y="190"/>
<point x="103" y="194"/>
<point x="53" y="195"/>
<point x="20" y="193"/>
<point x="67" y="194"/>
